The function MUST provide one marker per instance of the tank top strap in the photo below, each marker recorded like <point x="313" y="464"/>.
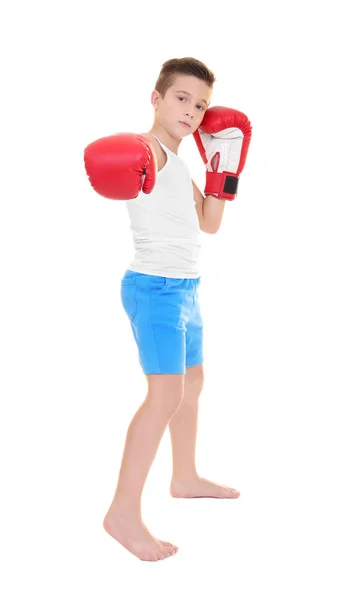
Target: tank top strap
<point x="161" y="144"/>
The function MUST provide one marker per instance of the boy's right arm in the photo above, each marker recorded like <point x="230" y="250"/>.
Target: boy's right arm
<point x="121" y="165"/>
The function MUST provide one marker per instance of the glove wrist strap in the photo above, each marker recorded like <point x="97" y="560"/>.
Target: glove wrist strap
<point x="223" y="185"/>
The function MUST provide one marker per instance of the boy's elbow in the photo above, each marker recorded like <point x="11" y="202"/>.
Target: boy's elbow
<point x="211" y="229"/>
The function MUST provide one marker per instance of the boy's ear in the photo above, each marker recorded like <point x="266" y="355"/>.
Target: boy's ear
<point x="155" y="98"/>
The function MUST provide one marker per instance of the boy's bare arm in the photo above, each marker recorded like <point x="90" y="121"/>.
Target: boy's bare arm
<point x="209" y="210"/>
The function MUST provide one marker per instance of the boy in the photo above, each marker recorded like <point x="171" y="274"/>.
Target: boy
<point x="159" y="291"/>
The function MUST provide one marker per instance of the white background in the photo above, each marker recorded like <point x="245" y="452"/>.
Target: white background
<point x="272" y="296"/>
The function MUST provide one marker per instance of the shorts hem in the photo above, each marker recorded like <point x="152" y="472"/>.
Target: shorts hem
<point x="195" y="364"/>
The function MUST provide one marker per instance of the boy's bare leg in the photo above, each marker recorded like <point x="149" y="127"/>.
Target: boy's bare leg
<point x="186" y="483"/>
<point x="123" y="520"/>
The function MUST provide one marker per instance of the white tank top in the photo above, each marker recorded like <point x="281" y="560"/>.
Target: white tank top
<point x="165" y="225"/>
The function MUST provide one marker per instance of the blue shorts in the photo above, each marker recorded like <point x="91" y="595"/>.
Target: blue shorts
<point x="166" y="322"/>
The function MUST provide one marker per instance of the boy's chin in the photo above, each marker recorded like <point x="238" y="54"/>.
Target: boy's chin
<point x="183" y="134"/>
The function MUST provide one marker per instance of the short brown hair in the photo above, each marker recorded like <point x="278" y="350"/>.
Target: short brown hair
<point x="183" y="66"/>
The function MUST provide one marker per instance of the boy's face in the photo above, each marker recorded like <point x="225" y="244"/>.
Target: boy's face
<point x="185" y="102"/>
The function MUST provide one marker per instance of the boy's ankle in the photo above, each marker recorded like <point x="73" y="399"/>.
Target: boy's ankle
<point x="184" y="476"/>
<point x="125" y="506"/>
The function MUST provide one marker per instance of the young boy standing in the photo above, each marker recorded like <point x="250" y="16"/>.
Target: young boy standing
<point x="159" y="291"/>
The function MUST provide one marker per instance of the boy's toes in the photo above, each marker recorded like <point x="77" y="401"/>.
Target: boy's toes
<point x="169" y="545"/>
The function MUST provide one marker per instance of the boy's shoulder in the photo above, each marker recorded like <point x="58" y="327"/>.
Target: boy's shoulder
<point x="161" y="155"/>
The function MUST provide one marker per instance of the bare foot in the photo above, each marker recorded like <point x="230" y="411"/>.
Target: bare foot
<point x="201" y="488"/>
<point x="131" y="533"/>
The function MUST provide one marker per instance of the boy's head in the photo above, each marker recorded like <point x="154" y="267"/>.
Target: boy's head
<point x="182" y="93"/>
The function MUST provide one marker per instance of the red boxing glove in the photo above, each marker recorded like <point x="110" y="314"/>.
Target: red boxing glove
<point x="223" y="140"/>
<point x="120" y="166"/>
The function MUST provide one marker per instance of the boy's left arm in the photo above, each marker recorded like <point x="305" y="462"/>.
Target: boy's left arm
<point x="209" y="210"/>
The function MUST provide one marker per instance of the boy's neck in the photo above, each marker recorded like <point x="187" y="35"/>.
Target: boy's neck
<point x="170" y="142"/>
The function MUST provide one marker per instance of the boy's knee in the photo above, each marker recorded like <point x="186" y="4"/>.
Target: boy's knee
<point x="167" y="391"/>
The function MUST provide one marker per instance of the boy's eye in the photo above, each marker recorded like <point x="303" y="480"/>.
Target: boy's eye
<point x="198" y="106"/>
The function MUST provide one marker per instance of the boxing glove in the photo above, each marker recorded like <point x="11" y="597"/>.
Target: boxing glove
<point x="120" y="166"/>
<point x="223" y="139"/>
